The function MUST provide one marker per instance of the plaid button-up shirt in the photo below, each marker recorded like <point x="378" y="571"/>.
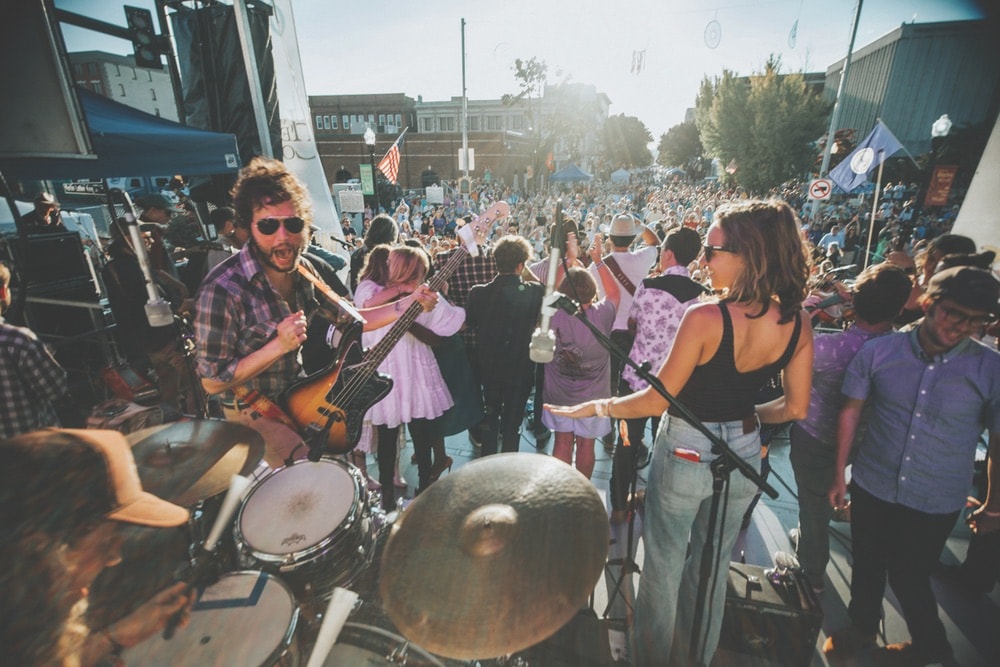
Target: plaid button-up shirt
<point x="30" y="380"/>
<point x="473" y="271"/>
<point x="238" y="311"/>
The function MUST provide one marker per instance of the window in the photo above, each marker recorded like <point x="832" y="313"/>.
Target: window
<point x="494" y="122"/>
<point x="326" y="122"/>
<point x="319" y="122"/>
<point x="381" y="119"/>
<point x="426" y="124"/>
<point x="333" y="122"/>
<point x="399" y="121"/>
<point x="517" y="122"/>
<point x="121" y="90"/>
<point x="447" y="124"/>
<point x="152" y="92"/>
<point x="345" y="122"/>
<point x="371" y="118"/>
<point x="157" y="110"/>
<point x="118" y="70"/>
<point x="473" y="123"/>
<point x="92" y="69"/>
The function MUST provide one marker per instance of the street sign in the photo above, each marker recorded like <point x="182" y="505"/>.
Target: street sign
<point x="351" y="201"/>
<point x="820" y="188"/>
<point x="367" y="182"/>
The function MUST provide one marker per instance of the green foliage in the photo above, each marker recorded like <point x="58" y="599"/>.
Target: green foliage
<point x="766" y="122"/>
<point x="531" y="76"/>
<point x="625" y="140"/>
<point x="679" y="145"/>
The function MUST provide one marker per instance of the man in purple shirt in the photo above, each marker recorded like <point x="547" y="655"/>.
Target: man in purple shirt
<point x="931" y="394"/>
<point x="879" y="295"/>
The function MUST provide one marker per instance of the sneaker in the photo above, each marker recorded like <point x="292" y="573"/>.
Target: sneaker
<point x="542" y="435"/>
<point x="793" y="536"/>
<point x="848" y="642"/>
<point x="906" y="654"/>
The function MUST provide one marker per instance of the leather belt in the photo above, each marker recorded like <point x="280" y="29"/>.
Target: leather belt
<point x="750" y="424"/>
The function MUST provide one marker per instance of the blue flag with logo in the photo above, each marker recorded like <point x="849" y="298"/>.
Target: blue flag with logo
<point x="854" y="169"/>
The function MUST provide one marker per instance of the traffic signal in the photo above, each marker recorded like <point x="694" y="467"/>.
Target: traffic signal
<point x="144" y="40"/>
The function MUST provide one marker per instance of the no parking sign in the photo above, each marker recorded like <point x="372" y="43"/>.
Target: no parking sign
<point x="820" y="188"/>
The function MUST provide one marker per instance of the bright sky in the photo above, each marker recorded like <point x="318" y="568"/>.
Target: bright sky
<point x="389" y="46"/>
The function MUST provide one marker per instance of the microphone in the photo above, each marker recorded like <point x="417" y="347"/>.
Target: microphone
<point x="158" y="311"/>
<point x="543" y="340"/>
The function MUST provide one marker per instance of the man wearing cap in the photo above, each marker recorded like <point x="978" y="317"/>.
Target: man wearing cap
<point x="64" y="497"/>
<point x="930" y="393"/>
<point x="629" y="268"/>
<point x="45" y="219"/>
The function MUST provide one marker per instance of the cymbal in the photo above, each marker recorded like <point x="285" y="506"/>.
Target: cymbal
<point x="188" y="461"/>
<point x="495" y="557"/>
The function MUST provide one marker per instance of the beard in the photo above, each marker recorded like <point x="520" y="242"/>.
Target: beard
<point x="267" y="258"/>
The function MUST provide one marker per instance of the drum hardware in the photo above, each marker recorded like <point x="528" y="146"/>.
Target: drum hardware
<point x="466" y="552"/>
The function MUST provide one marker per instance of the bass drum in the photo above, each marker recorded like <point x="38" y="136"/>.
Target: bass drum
<point x="246" y="618"/>
<point x="312" y="523"/>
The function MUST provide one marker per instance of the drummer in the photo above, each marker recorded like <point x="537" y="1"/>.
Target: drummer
<point x="253" y="308"/>
<point x="64" y="497"/>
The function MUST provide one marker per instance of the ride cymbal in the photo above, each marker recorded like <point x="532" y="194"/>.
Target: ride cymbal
<point x="188" y="461"/>
<point x="495" y="557"/>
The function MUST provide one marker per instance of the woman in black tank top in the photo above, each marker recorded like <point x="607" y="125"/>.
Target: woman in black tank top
<point x="724" y="352"/>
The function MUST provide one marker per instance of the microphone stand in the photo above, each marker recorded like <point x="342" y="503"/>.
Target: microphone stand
<point x="721" y="467"/>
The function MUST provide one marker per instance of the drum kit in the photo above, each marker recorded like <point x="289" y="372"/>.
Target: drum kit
<point x="487" y="562"/>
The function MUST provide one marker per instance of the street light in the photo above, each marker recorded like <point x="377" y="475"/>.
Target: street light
<point x="939" y="130"/>
<point x="370" y="142"/>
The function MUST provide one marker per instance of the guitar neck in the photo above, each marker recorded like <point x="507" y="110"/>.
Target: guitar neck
<point x="381" y="350"/>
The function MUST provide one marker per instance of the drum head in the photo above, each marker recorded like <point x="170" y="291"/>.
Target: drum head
<point x="297" y="507"/>
<point x="246" y="618"/>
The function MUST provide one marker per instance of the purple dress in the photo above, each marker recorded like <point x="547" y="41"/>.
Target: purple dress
<point x="580" y="370"/>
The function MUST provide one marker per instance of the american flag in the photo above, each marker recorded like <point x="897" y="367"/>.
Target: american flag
<point x="389" y="165"/>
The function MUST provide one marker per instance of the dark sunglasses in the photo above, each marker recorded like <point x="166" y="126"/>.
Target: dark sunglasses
<point x="268" y="226"/>
<point x="711" y="249"/>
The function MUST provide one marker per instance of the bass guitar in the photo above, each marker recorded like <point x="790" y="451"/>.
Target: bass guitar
<point x="328" y="406"/>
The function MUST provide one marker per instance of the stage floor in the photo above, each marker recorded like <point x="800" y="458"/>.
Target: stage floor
<point x="972" y="622"/>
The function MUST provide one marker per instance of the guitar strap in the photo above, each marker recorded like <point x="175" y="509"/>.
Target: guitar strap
<point x="263" y="406"/>
<point x="617" y="272"/>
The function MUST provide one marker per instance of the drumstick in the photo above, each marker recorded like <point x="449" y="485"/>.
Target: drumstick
<point x="237" y="487"/>
<point x="341" y="604"/>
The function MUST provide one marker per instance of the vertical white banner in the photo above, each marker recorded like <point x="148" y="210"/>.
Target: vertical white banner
<point x="299" y="150"/>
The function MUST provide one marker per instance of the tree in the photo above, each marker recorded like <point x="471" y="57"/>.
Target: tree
<point x="767" y="123"/>
<point x="531" y="76"/>
<point x="679" y="145"/>
<point x="625" y="140"/>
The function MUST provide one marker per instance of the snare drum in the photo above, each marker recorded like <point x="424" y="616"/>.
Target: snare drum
<point x="312" y="523"/>
<point x="360" y="644"/>
<point x="246" y="618"/>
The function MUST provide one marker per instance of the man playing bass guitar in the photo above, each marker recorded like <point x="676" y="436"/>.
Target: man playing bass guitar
<point x="253" y="308"/>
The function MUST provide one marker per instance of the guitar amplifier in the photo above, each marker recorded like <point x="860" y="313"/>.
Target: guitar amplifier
<point x="777" y="622"/>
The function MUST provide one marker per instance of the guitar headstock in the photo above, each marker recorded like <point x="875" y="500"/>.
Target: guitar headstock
<point x="476" y="231"/>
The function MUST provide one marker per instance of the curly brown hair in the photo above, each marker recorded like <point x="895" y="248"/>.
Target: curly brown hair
<point x="765" y="234"/>
<point x="264" y="182"/>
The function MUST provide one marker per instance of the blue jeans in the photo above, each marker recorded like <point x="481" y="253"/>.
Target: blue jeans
<point x="814" y="463"/>
<point x="678" y="498"/>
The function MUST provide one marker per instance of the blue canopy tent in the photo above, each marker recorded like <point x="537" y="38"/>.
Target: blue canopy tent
<point x="128" y="142"/>
<point x="570" y="174"/>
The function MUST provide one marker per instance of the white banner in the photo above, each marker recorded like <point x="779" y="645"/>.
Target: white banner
<point x="299" y="151"/>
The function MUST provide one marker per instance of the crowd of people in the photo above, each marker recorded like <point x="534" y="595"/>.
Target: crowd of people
<point x="704" y="285"/>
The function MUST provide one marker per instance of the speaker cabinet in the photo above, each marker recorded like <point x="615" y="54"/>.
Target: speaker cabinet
<point x="777" y="622"/>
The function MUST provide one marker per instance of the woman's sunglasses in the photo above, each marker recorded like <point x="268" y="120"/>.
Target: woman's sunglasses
<point x="710" y="250"/>
<point x="268" y="226"/>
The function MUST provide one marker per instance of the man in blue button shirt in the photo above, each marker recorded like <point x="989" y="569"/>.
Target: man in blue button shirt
<point x="931" y="393"/>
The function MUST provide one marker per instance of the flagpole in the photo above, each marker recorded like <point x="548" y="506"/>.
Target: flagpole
<point x="871" y="224"/>
<point x="835" y="116"/>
